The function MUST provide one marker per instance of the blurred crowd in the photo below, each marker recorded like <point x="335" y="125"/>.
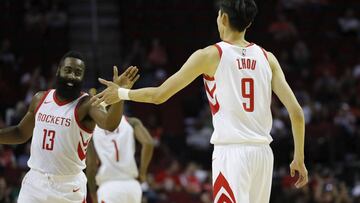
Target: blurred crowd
<point x="315" y="41"/>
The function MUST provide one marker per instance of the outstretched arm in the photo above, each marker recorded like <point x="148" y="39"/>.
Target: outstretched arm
<point x="143" y="136"/>
<point x="203" y="61"/>
<point x="23" y="131"/>
<point x="285" y="94"/>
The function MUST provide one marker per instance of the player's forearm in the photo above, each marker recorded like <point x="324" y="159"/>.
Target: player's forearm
<point x="114" y="115"/>
<point x="151" y="95"/>
<point x="298" y="130"/>
<point x="91" y="168"/>
<point x="11" y="135"/>
<point x="146" y="156"/>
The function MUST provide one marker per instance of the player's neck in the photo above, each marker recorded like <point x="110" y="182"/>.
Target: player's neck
<point x="237" y="38"/>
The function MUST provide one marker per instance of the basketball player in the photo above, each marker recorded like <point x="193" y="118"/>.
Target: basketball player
<point x="239" y="78"/>
<point x="60" y="122"/>
<point x="118" y="173"/>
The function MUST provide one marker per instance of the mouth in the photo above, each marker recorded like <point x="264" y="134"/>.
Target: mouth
<point x="70" y="84"/>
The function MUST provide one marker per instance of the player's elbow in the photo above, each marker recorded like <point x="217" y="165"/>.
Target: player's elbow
<point x="297" y="114"/>
<point x="110" y="125"/>
<point x="21" y="137"/>
<point x="159" y="98"/>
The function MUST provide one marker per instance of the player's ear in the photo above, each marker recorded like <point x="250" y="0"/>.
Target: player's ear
<point x="224" y="19"/>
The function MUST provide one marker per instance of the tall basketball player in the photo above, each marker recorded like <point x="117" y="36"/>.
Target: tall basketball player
<point x="118" y="176"/>
<point x="61" y="122"/>
<point x="239" y="78"/>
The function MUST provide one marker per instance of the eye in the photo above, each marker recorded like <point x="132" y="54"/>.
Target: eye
<point x="78" y="72"/>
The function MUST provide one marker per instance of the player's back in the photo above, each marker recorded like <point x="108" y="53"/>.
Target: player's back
<point x="240" y="95"/>
<point x="116" y="151"/>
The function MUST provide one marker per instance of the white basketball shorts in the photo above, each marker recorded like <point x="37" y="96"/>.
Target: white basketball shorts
<point x="117" y="191"/>
<point x="38" y="187"/>
<point x="242" y="173"/>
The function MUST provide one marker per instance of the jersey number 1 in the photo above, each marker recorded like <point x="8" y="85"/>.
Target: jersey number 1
<point x="48" y="140"/>
<point x="247" y="91"/>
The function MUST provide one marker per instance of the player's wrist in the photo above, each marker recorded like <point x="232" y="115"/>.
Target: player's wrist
<point x="123" y="93"/>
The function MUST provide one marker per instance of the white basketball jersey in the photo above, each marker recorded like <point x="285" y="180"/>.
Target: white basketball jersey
<point x="59" y="141"/>
<point x="116" y="151"/>
<point x="239" y="95"/>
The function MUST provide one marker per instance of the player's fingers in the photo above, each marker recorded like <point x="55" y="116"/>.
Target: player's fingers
<point x="292" y="172"/>
<point x="99" y="96"/>
<point x="115" y="73"/>
<point x="96" y="101"/>
<point x="105" y="82"/>
<point x="133" y="73"/>
<point x="128" y="71"/>
<point x="300" y="182"/>
<point x="136" y="78"/>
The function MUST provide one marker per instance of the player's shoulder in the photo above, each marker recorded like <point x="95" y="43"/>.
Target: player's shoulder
<point x="208" y="54"/>
<point x="37" y="98"/>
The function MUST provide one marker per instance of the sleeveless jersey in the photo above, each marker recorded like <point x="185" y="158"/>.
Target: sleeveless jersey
<point x="116" y="151"/>
<point x="59" y="141"/>
<point x="239" y="95"/>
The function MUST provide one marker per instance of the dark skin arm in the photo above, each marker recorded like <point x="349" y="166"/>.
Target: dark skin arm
<point x="91" y="170"/>
<point x="143" y="136"/>
<point x="24" y="130"/>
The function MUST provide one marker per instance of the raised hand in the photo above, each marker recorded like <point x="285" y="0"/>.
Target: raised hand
<point x="128" y="78"/>
<point x="299" y="166"/>
<point x="108" y="96"/>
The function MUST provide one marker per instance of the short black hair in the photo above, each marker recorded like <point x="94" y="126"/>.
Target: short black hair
<point x="241" y="12"/>
<point x="72" y="54"/>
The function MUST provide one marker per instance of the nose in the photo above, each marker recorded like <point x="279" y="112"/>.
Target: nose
<point x="71" y="76"/>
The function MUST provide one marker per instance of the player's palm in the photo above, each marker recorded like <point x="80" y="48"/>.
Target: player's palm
<point x="299" y="166"/>
<point x="128" y="78"/>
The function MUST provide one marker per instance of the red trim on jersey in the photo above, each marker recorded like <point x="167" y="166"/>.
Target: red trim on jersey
<point x="219" y="49"/>
<point x="249" y="45"/>
<point x="214" y="107"/>
<point x="211" y="92"/>
<point x="84" y="201"/>
<point x="41" y="101"/>
<point x="209" y="78"/>
<point x="221" y="182"/>
<point x="81" y="153"/>
<point x="102" y="201"/>
<point x="58" y="102"/>
<point x="77" y="118"/>
<point x="264" y="53"/>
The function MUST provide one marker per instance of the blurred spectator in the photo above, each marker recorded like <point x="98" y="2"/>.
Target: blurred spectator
<point x="7" y="157"/>
<point x="349" y="24"/>
<point x="282" y="29"/>
<point x="7" y="57"/>
<point x="157" y="55"/>
<point x="56" y="18"/>
<point x="169" y="179"/>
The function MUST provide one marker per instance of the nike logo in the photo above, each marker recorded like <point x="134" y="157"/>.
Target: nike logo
<point x="46" y="102"/>
<point x="213" y="159"/>
<point x="75" y="190"/>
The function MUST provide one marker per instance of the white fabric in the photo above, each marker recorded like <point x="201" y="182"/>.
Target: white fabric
<point x="235" y="119"/>
<point x="116" y="151"/>
<point x="246" y="169"/>
<point x="119" y="191"/>
<point x="58" y="144"/>
<point x="38" y="187"/>
<point x="123" y="93"/>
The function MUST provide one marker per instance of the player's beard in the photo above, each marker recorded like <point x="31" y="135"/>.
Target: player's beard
<point x="65" y="91"/>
